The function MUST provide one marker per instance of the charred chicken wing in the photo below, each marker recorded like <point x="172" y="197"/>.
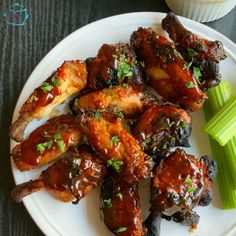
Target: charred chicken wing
<point x="69" y="78"/>
<point x="47" y="143"/>
<point x="201" y="54"/>
<point x="69" y="179"/>
<point x="118" y="149"/>
<point x="166" y="69"/>
<point x="120" y="207"/>
<point x="162" y="127"/>
<point x="117" y="99"/>
<point x="180" y="183"/>
<point x="114" y="64"/>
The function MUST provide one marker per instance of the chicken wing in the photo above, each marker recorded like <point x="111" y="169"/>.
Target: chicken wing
<point x="47" y="143"/>
<point x="115" y="64"/>
<point x="166" y="70"/>
<point x="161" y="127"/>
<point x="120" y="207"/>
<point x="201" y="54"/>
<point x="118" y="149"/>
<point x="69" y="78"/>
<point x="180" y="183"/>
<point x="117" y="99"/>
<point x="69" y="179"/>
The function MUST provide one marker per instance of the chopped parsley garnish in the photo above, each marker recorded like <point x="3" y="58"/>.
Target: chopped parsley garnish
<point x="121" y="230"/>
<point x="120" y="196"/>
<point x="97" y="115"/>
<point x="188" y="65"/>
<point x="145" y="142"/>
<point x="190" y="84"/>
<point x="192" y="52"/>
<point x="164" y="146"/>
<point x="114" y="139"/>
<point x="197" y="75"/>
<point x="191" y="189"/>
<point x="142" y="64"/>
<point x="170" y="123"/>
<point x="120" y="114"/>
<point x="183" y="125"/>
<point x="115" y="164"/>
<point x="56" y="82"/>
<point x="55" y="139"/>
<point x="188" y="180"/>
<point x="108" y="203"/>
<point x="123" y="68"/>
<point x="46" y="87"/>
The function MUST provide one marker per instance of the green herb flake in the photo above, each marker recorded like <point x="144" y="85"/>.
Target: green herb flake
<point x="125" y="85"/>
<point x="114" y="139"/>
<point x="49" y="144"/>
<point x="108" y="203"/>
<point x="121" y="230"/>
<point x="170" y="123"/>
<point x="183" y="125"/>
<point x="120" y="114"/>
<point x="197" y="75"/>
<point x="120" y="196"/>
<point x="46" y="87"/>
<point x="61" y="145"/>
<point x="192" y="53"/>
<point x="142" y="64"/>
<point x="40" y="148"/>
<point x="56" y="137"/>
<point x="56" y="82"/>
<point x="187" y="65"/>
<point x="164" y="146"/>
<point x="190" y="84"/>
<point x="115" y="164"/>
<point x="145" y="142"/>
<point x="97" y="115"/>
<point x="123" y="69"/>
<point x="191" y="189"/>
<point x="188" y="180"/>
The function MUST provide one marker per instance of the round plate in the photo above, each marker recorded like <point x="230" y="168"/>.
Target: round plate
<point x="56" y="218"/>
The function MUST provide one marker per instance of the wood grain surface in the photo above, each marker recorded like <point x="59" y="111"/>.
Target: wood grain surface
<point x="22" y="48"/>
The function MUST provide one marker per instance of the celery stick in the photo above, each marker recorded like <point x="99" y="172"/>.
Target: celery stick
<point x="222" y="126"/>
<point x="224" y="178"/>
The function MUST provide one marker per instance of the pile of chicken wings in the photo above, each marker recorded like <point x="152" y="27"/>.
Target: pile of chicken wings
<point x="119" y="133"/>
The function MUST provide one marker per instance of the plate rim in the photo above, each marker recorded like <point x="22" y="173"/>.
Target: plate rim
<point x="29" y="202"/>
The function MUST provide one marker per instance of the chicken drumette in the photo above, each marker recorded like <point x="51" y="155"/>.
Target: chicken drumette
<point x="47" y="143"/>
<point x="115" y="64"/>
<point x="202" y="55"/>
<point x="69" y="78"/>
<point x="161" y="127"/>
<point x="166" y="69"/>
<point x="116" y="99"/>
<point x="118" y="149"/>
<point x="120" y="207"/>
<point x="180" y="183"/>
<point x="69" y="179"/>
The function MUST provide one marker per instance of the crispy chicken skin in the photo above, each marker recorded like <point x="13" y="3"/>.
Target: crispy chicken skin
<point x="118" y="149"/>
<point x="206" y="55"/>
<point x="69" y="179"/>
<point x="120" y="207"/>
<point x="116" y="99"/>
<point x="180" y="182"/>
<point x="47" y="143"/>
<point x="161" y="127"/>
<point x="166" y="69"/>
<point x="69" y="79"/>
<point x="115" y="64"/>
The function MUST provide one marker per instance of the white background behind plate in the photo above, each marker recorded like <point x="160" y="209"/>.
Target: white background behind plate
<point x="56" y="218"/>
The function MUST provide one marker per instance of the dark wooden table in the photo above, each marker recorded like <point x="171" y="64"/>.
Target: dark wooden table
<point x="22" y="48"/>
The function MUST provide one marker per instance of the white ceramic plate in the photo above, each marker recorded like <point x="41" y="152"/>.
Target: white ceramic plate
<point x="57" y="218"/>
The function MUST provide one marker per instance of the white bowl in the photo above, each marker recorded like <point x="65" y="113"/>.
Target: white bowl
<point x="201" y="10"/>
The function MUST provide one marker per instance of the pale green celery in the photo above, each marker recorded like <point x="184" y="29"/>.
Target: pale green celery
<point x="222" y="126"/>
<point x="224" y="178"/>
<point x="219" y="95"/>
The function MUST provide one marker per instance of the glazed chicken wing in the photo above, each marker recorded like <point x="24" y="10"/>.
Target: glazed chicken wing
<point x="120" y="207"/>
<point x="180" y="183"/>
<point x="69" y="179"/>
<point x="166" y="69"/>
<point x="161" y="127"/>
<point x="106" y="134"/>
<point x="47" y="143"/>
<point x="69" y="78"/>
<point x="117" y="99"/>
<point x="115" y="64"/>
<point x="204" y="55"/>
